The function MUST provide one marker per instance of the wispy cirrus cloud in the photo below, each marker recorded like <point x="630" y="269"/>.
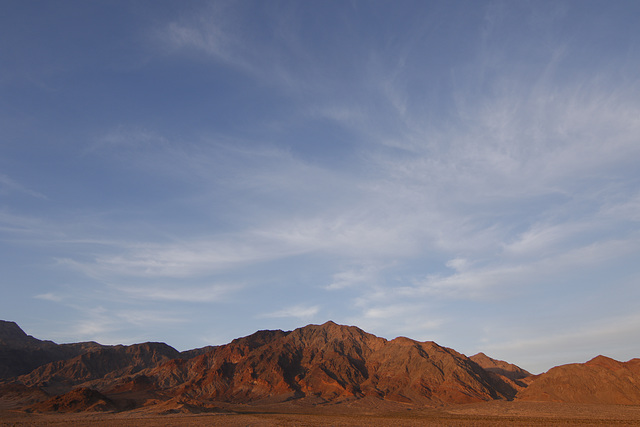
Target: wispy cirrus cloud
<point x="366" y="274"/>
<point x="486" y="282"/>
<point x="210" y="30"/>
<point x="204" y="294"/>
<point x="271" y="54"/>
<point x="300" y="311"/>
<point x="8" y="185"/>
<point x="50" y="296"/>
<point x="193" y="259"/>
<point x="461" y="192"/>
<point x="127" y="139"/>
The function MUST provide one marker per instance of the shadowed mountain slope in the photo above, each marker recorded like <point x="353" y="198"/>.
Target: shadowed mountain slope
<point x="78" y="400"/>
<point x="21" y="353"/>
<point x="97" y="363"/>
<point x="500" y="367"/>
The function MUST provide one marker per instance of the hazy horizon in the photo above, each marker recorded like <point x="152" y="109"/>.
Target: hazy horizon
<point x="191" y="172"/>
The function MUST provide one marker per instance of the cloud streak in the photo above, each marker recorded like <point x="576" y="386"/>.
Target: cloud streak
<point x="8" y="186"/>
<point x="298" y="311"/>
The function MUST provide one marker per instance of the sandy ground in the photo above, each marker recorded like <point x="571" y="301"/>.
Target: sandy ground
<point x="483" y="414"/>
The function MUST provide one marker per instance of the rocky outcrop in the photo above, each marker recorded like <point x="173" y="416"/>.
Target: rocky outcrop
<point x="78" y="400"/>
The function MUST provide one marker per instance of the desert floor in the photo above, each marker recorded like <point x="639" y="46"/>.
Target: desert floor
<point x="483" y="414"/>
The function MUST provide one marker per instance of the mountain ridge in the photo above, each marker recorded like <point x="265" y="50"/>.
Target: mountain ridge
<point x="326" y="363"/>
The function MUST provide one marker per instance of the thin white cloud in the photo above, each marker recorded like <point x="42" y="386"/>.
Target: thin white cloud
<point x="147" y="317"/>
<point x="184" y="259"/>
<point x="626" y="209"/>
<point x="350" y="116"/>
<point x="540" y="239"/>
<point x="522" y="144"/>
<point x="458" y="264"/>
<point x="178" y="293"/>
<point x="23" y="224"/>
<point x="388" y="311"/>
<point x="366" y="274"/>
<point x="95" y="323"/>
<point x="50" y="296"/>
<point x="210" y="30"/>
<point x="128" y="139"/>
<point x="8" y="185"/>
<point x="215" y="32"/>
<point x="354" y="236"/>
<point x="300" y="311"/>
<point x="489" y="281"/>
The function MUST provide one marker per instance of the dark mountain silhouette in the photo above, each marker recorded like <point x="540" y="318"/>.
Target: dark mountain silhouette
<point x="326" y="363"/>
<point x="21" y="353"/>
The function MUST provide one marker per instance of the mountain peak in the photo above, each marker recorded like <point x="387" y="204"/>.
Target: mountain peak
<point x="333" y="332"/>
<point x="329" y="323"/>
<point x="10" y="331"/>
<point x="605" y="362"/>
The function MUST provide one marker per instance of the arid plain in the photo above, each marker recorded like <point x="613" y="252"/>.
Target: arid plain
<point x="479" y="414"/>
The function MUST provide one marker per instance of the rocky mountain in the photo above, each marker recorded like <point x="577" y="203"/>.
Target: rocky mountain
<point x="321" y="364"/>
<point x="500" y="367"/>
<point x="329" y="362"/>
<point x="600" y="380"/>
<point x="21" y="353"/>
<point x="97" y="364"/>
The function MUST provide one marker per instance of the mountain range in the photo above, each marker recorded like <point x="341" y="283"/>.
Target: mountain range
<point x="317" y="364"/>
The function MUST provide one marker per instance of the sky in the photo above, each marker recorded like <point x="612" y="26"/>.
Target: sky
<point x="464" y="172"/>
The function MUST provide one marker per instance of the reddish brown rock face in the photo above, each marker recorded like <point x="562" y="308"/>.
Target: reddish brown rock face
<point x="79" y="400"/>
<point x="600" y="380"/>
<point x="326" y="363"/>
<point x="331" y="362"/>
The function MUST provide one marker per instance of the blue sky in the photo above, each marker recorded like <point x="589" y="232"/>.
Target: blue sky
<point x="191" y="172"/>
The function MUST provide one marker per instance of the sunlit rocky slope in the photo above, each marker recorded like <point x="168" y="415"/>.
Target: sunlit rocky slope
<point x="319" y="364"/>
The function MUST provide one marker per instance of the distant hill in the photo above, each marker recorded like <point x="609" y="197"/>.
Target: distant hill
<point x="322" y="364"/>
<point x="600" y="380"/>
